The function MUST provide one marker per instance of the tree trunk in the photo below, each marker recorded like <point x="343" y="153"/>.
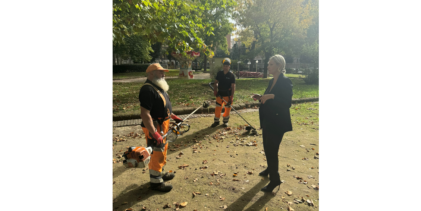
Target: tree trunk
<point x="205" y="61"/>
<point x="268" y="54"/>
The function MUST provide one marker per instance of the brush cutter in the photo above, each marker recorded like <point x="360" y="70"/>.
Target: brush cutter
<point x="249" y="127"/>
<point x="139" y="157"/>
<point x="175" y="128"/>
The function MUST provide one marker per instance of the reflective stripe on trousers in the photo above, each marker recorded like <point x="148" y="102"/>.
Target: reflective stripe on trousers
<point x="218" y="109"/>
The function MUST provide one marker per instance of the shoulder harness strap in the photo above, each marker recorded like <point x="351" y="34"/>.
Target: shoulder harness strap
<point x="159" y="92"/>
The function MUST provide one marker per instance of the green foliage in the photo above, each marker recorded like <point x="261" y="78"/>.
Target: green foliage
<point x="312" y="77"/>
<point x="156" y="50"/>
<point x="127" y="68"/>
<point x="274" y="26"/>
<point x="234" y="65"/>
<point x="174" y="23"/>
<point x="134" y="47"/>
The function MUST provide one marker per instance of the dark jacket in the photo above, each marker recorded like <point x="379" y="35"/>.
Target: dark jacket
<point x="274" y="114"/>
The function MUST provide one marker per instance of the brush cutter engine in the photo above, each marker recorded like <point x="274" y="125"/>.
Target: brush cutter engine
<point x="137" y="157"/>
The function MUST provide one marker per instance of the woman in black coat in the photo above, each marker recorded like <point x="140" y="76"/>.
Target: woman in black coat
<point x="275" y="118"/>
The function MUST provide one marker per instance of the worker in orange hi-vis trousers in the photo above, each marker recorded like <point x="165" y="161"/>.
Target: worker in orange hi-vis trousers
<point x="224" y="88"/>
<point x="156" y="111"/>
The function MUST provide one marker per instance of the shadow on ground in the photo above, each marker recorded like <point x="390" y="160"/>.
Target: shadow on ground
<point x="247" y="197"/>
<point x="135" y="195"/>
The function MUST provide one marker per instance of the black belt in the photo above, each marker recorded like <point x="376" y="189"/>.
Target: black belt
<point x="224" y="92"/>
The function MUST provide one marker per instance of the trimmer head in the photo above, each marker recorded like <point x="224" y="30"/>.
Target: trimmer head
<point x="253" y="132"/>
<point x="206" y="104"/>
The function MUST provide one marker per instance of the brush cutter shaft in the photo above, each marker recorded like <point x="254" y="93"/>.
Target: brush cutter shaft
<point x="232" y="107"/>
<point x="204" y="105"/>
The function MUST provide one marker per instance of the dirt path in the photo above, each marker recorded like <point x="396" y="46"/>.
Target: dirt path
<point x="223" y="166"/>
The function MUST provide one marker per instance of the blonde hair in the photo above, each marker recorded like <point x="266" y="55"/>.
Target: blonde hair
<point x="279" y="60"/>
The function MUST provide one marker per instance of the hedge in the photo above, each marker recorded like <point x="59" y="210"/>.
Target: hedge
<point x="127" y="68"/>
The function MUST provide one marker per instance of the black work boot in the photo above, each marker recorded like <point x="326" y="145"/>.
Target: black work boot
<point x="168" y="176"/>
<point x="163" y="187"/>
<point x="225" y="124"/>
<point x="272" y="185"/>
<point x="215" y="124"/>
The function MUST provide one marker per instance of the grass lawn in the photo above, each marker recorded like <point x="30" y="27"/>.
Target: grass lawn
<point x="174" y="72"/>
<point x="230" y="176"/>
<point x="171" y="73"/>
<point x="192" y="93"/>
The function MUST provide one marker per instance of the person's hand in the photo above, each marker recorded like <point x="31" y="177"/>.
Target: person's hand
<point x="230" y="100"/>
<point x="176" y="118"/>
<point x="256" y="97"/>
<point x="157" y="137"/>
<point x="266" y="97"/>
<point x="215" y="92"/>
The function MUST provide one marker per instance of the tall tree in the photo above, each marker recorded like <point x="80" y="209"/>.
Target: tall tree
<point x="175" y="22"/>
<point x="275" y="25"/>
<point x="311" y="47"/>
<point x="216" y="26"/>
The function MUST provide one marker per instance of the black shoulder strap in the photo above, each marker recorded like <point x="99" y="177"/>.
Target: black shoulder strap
<point x="159" y="92"/>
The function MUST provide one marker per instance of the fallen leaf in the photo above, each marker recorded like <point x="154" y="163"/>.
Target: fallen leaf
<point x="128" y="209"/>
<point x="289" y="193"/>
<point x="183" y="204"/>
<point x="223" y="207"/>
<point x="302" y="146"/>
<point x="290" y="209"/>
<point x="167" y="206"/>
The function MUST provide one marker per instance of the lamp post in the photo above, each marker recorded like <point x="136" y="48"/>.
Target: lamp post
<point x="238" y="69"/>
<point x="238" y="65"/>
<point x="257" y="61"/>
<point x="249" y="63"/>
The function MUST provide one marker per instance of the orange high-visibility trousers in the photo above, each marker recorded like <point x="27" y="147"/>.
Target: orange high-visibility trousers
<point x="159" y="154"/>
<point x="218" y="109"/>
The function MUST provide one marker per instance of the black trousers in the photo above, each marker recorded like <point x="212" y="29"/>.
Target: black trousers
<point x="271" y="140"/>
